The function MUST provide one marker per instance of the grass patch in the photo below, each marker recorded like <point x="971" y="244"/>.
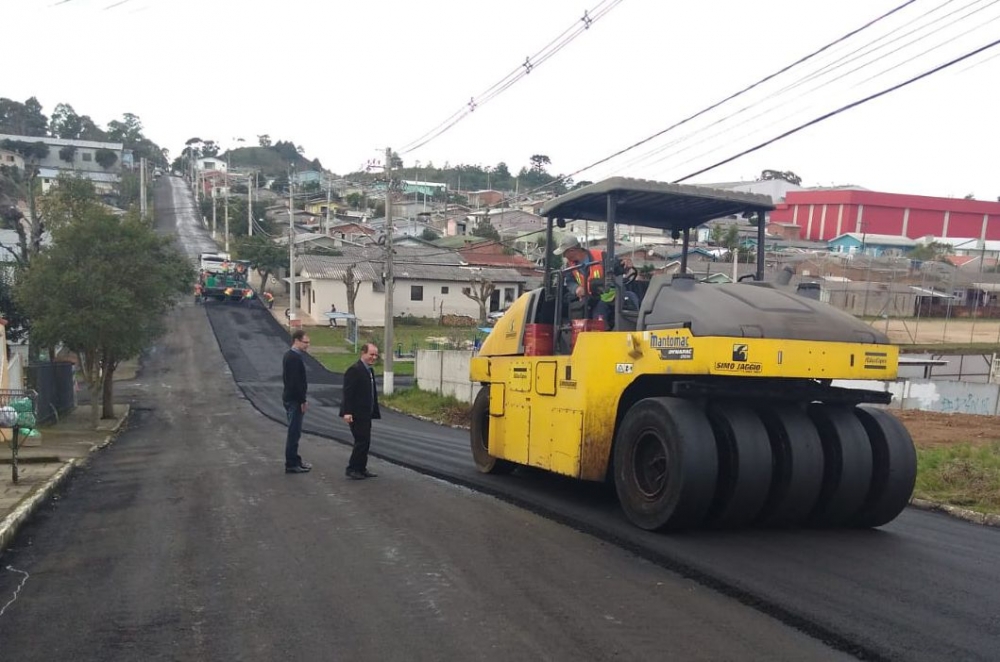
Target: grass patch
<point x="341" y="362"/>
<point x="440" y="409"/>
<point x="963" y="475"/>
<point x="409" y="337"/>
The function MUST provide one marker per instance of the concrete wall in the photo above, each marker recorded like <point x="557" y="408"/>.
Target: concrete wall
<point x="447" y="372"/>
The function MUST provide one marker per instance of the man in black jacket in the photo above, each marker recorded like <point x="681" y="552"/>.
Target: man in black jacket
<point x="359" y="407"/>
<point x="293" y="374"/>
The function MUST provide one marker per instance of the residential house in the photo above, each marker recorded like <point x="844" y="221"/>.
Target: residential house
<point x="306" y="177"/>
<point x="11" y="159"/>
<point x="81" y="157"/>
<point x="429" y="282"/>
<point x="77" y="155"/>
<point x="492" y="255"/>
<point x="484" y="198"/>
<point x="424" y="189"/>
<point x="211" y="163"/>
<point x="352" y="234"/>
<point x="319" y="207"/>
<point x="309" y="241"/>
<point x="871" y="244"/>
<point x="105" y="183"/>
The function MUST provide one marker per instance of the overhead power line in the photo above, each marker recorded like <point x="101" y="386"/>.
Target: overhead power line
<point x="530" y="63"/>
<point x="663" y="153"/>
<point x="746" y="89"/>
<point x="853" y="104"/>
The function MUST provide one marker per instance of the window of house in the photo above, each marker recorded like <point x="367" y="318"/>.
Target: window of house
<point x="313" y="296"/>
<point x="416" y="292"/>
<point x="86" y="156"/>
<point x="444" y="289"/>
<point x="508" y="294"/>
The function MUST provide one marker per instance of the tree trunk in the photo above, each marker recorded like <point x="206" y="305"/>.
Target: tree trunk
<point x="95" y="404"/>
<point x="108" y="393"/>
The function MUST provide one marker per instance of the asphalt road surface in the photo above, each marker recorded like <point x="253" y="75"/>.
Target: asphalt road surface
<point x="185" y="540"/>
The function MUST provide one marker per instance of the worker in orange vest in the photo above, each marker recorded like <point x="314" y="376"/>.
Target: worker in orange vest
<point x="587" y="272"/>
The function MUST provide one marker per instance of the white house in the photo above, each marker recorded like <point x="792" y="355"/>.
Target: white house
<point x="11" y="159"/>
<point x="211" y="163"/>
<point x="423" y="289"/>
<point x="75" y="155"/>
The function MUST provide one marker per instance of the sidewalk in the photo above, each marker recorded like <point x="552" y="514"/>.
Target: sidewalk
<point x="42" y="468"/>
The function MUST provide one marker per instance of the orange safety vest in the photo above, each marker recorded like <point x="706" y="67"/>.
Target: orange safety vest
<point x="593" y="265"/>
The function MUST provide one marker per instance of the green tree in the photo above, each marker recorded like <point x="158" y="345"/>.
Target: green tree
<point x="485" y="229"/>
<point x="68" y="153"/>
<point x="280" y="183"/>
<point x="480" y="290"/>
<point x="105" y="158"/>
<point x="128" y="130"/>
<point x="10" y="309"/>
<point x="103" y="289"/>
<point x="354" y="200"/>
<point x="22" y="119"/>
<point x="263" y="254"/>
<point x="264" y="140"/>
<point x="65" y="123"/>
<point x="428" y="235"/>
<point x="934" y="251"/>
<point x="71" y="198"/>
<point x="539" y="161"/>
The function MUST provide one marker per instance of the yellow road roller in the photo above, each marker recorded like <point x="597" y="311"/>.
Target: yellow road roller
<point x="705" y="403"/>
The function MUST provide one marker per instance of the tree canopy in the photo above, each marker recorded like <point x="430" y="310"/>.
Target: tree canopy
<point x="102" y="289"/>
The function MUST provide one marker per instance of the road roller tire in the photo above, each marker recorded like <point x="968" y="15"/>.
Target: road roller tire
<point x="894" y="467"/>
<point x="479" y="434"/>
<point x="665" y="464"/>
<point x="744" y="464"/>
<point x="797" y="469"/>
<point x="847" y="465"/>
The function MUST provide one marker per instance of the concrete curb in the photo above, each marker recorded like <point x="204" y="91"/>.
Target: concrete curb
<point x="985" y="519"/>
<point x="12" y="523"/>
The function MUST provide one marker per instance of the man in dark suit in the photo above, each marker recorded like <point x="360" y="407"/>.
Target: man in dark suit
<point x="359" y="407"/>
<point x="293" y="374"/>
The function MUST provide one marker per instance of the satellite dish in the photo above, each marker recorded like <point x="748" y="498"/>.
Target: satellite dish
<point x="273" y="280"/>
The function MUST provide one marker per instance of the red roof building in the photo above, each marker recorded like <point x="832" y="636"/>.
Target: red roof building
<point x="825" y="214"/>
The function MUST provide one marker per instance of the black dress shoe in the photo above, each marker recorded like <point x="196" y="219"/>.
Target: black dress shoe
<point x="368" y="474"/>
<point x="355" y="475"/>
<point x="297" y="470"/>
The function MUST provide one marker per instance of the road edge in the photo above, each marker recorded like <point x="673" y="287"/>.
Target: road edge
<point x="12" y="523"/>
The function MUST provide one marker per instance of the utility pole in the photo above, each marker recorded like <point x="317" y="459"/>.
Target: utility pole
<point x="142" y="187"/>
<point x="327" y="232"/>
<point x="250" y="183"/>
<point x="213" y="209"/>
<point x="225" y="197"/>
<point x="387" y="375"/>
<point x="291" y="255"/>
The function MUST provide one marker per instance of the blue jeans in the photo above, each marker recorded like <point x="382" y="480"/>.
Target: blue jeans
<point x="293" y="411"/>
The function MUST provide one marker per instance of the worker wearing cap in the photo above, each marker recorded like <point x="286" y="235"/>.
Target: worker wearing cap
<point x="587" y="273"/>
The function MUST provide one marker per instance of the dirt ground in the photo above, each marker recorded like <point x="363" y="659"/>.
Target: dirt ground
<point x="930" y="429"/>
<point x="914" y="331"/>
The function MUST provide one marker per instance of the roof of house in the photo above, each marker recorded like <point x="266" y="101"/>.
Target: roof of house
<point x="878" y="239"/>
<point x="334" y="267"/>
<point x="63" y="142"/>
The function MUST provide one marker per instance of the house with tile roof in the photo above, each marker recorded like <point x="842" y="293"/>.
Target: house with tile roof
<point x="430" y="282"/>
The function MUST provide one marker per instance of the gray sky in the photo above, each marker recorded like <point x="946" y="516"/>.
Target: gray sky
<point x="346" y="79"/>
